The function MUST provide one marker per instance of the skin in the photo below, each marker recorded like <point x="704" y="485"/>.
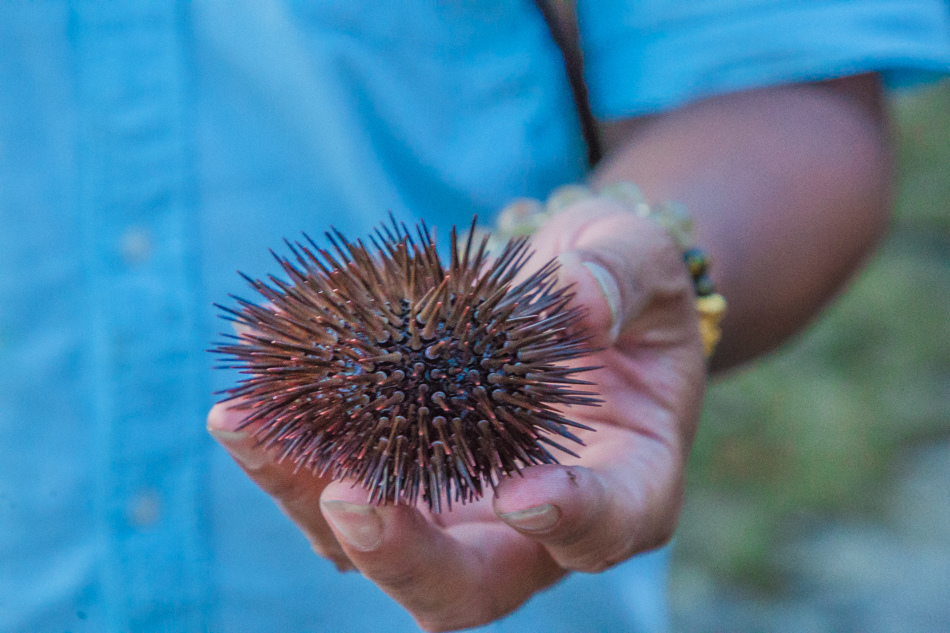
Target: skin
<point x="789" y="190"/>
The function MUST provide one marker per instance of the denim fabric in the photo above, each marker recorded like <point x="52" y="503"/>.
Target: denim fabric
<point x="150" y="149"/>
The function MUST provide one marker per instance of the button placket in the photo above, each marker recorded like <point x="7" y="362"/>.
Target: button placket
<point x="141" y="251"/>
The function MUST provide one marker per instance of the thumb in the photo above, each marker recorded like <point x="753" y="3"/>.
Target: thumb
<point x="627" y="271"/>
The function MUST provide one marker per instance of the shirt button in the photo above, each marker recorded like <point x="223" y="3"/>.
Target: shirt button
<point x="144" y="509"/>
<point x="135" y="246"/>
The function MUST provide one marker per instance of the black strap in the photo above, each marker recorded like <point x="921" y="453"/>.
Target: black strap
<point x="567" y="38"/>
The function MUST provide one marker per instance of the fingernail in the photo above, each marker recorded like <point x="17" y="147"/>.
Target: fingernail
<point x="227" y="436"/>
<point x="234" y="442"/>
<point x="611" y="291"/>
<point x="358" y="525"/>
<point x="536" y="519"/>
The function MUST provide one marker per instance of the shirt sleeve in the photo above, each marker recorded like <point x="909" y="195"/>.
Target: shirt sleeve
<point x="643" y="56"/>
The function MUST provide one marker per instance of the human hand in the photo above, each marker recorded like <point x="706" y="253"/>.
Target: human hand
<point x="482" y="560"/>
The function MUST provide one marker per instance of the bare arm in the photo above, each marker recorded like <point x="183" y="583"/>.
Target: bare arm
<point x="789" y="187"/>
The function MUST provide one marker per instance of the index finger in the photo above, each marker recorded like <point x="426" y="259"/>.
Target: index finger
<point x="296" y="491"/>
<point x="463" y="576"/>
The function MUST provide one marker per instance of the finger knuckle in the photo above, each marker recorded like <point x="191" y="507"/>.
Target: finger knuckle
<point x="408" y="580"/>
<point x="597" y="557"/>
<point x="279" y="488"/>
<point x="593" y="563"/>
<point x="437" y="625"/>
<point x="453" y="617"/>
<point x="291" y="492"/>
<point x="593" y="567"/>
<point x="332" y="552"/>
<point x="662" y="537"/>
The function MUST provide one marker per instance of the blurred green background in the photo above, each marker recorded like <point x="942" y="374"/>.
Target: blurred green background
<point x="821" y="432"/>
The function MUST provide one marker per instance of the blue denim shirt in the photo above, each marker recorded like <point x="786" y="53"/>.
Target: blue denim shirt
<point x="149" y="149"/>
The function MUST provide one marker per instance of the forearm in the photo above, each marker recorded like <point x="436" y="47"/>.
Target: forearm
<point x="789" y="188"/>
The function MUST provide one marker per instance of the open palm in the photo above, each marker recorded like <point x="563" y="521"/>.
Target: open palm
<point x="620" y="497"/>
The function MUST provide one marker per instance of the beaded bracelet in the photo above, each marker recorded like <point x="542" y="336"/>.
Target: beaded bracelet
<point x="525" y="215"/>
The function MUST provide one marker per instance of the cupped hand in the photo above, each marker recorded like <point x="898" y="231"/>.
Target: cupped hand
<point x="622" y="495"/>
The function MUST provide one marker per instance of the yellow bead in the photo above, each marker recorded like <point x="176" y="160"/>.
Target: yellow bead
<point x="711" y="310"/>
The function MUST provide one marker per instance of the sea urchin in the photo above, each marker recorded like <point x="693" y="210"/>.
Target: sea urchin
<point x="382" y="366"/>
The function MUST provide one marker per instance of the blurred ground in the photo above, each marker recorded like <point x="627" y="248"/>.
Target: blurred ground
<point x="819" y="493"/>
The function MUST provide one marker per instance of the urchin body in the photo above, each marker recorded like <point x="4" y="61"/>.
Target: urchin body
<point x="383" y="366"/>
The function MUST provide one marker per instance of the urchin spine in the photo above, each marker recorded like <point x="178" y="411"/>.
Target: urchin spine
<point x="385" y="367"/>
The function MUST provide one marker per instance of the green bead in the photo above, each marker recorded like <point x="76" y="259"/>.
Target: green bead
<point x="696" y="261"/>
<point x="704" y="286"/>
